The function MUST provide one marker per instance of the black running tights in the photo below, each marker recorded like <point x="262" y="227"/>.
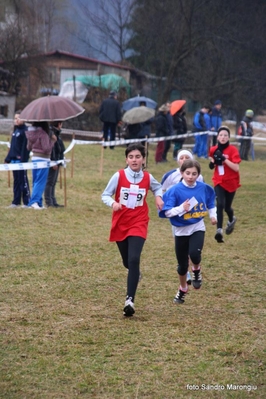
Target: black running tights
<point x="188" y="246"/>
<point x="130" y="251"/>
<point x="224" y="201"/>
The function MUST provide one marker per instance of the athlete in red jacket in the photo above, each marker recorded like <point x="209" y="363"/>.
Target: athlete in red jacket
<point x="225" y="161"/>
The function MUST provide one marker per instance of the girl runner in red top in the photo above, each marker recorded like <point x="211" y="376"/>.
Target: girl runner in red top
<point x="130" y="214"/>
<point x="225" y="161"/>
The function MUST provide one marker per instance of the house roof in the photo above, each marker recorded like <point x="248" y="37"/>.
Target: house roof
<point x="80" y="57"/>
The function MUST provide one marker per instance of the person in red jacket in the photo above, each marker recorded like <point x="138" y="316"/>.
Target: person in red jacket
<point x="130" y="218"/>
<point x="225" y="160"/>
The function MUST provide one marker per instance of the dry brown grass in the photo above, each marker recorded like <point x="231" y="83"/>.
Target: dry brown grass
<point x="63" y="285"/>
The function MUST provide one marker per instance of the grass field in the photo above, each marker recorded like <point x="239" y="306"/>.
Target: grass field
<point x="63" y="287"/>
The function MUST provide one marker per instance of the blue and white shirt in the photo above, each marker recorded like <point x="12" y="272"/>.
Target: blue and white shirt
<point x="189" y="222"/>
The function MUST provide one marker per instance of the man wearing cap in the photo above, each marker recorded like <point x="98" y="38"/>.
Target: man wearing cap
<point x="110" y="115"/>
<point x="216" y="119"/>
<point x="247" y="133"/>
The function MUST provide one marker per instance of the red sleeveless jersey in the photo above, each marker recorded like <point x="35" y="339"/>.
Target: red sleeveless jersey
<point x="130" y="222"/>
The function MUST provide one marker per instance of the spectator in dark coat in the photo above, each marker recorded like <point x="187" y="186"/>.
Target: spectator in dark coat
<point x="216" y="119"/>
<point x="110" y="115"/>
<point x="145" y="129"/>
<point x="132" y="131"/>
<point x="18" y="153"/>
<point x="167" y="143"/>
<point x="162" y="130"/>
<point x="56" y="155"/>
<point x="180" y="128"/>
<point x="247" y="133"/>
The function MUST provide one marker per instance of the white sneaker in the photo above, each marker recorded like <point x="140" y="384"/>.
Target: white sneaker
<point x="13" y="206"/>
<point x="35" y="206"/>
<point x="129" y="308"/>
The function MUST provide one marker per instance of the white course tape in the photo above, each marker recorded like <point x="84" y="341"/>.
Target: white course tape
<point x="5" y="143"/>
<point x="157" y="139"/>
<point x="31" y="165"/>
<point x="148" y="140"/>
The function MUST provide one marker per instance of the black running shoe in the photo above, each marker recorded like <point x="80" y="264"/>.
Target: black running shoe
<point x="230" y="226"/>
<point x="219" y="235"/>
<point x="180" y="296"/>
<point x="196" y="279"/>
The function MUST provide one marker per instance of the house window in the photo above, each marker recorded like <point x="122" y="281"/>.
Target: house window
<point x="4" y="110"/>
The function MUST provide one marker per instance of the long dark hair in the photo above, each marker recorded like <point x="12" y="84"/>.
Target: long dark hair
<point x="43" y="125"/>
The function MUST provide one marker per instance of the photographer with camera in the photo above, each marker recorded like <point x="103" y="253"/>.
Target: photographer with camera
<point x="225" y="160"/>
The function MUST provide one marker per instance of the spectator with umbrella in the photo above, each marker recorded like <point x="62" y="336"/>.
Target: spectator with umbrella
<point x="137" y="101"/>
<point x="41" y="140"/>
<point x="145" y="131"/>
<point x="145" y="127"/>
<point x="179" y="123"/>
<point x="134" y="118"/>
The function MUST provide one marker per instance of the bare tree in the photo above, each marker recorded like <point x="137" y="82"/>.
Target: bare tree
<point x="43" y="17"/>
<point x="104" y="28"/>
<point x="26" y="29"/>
<point x="39" y="18"/>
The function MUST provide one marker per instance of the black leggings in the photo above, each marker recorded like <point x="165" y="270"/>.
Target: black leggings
<point x="188" y="246"/>
<point x="130" y="251"/>
<point x="224" y="201"/>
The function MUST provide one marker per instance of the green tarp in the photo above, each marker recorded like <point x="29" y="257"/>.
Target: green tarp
<point x="110" y="81"/>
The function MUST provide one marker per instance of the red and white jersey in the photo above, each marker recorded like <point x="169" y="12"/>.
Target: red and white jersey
<point x="130" y="221"/>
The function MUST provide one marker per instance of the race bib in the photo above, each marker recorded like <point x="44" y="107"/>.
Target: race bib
<point x="133" y="196"/>
<point x="220" y="170"/>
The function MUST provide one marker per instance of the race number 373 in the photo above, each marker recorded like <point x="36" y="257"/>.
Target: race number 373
<point x="133" y="196"/>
